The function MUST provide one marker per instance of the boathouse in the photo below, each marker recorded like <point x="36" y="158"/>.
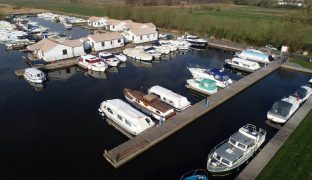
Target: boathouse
<point x="107" y="40"/>
<point x="98" y="21"/>
<point x="140" y="33"/>
<point x="51" y="50"/>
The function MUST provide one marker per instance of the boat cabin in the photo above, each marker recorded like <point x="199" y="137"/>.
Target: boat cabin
<point x="34" y="75"/>
<point x="177" y="101"/>
<point x="126" y="116"/>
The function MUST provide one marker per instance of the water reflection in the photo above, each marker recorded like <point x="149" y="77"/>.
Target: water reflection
<point x="63" y="74"/>
<point x="38" y="86"/>
<point x="96" y="74"/>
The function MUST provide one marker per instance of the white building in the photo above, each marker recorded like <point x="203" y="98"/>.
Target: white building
<point x="107" y="40"/>
<point x="118" y="25"/>
<point x="52" y="50"/>
<point x="140" y="33"/>
<point x="98" y="21"/>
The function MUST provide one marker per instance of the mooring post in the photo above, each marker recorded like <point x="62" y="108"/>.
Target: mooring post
<point x="207" y="102"/>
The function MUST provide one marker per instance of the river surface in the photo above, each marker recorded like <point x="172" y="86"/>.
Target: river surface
<point x="55" y="131"/>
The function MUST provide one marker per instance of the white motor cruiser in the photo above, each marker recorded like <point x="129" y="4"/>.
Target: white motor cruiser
<point x="283" y="109"/>
<point x="229" y="155"/>
<point x="34" y="75"/>
<point x="124" y="115"/>
<point x="109" y="58"/>
<point x="92" y="62"/>
<point x="242" y="64"/>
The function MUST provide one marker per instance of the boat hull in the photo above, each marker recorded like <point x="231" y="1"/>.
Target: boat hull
<point x="227" y="65"/>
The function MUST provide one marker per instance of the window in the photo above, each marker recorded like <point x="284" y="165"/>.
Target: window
<point x="128" y="122"/>
<point x="232" y="141"/>
<point x="119" y="117"/>
<point x="225" y="161"/>
<point x="147" y="36"/>
<point x="111" y="42"/>
<point x="148" y="120"/>
<point x="119" y="40"/>
<point x="242" y="146"/>
<point x="157" y="112"/>
<point x="110" y="111"/>
<point x="133" y="38"/>
<point x="65" y="52"/>
<point x="99" y="23"/>
<point x="103" y="44"/>
<point x="141" y="37"/>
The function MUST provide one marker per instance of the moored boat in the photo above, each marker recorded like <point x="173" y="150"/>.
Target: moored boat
<point x="68" y="26"/>
<point x="120" y="57"/>
<point x="255" y="55"/>
<point x="303" y="93"/>
<point x="242" y="64"/>
<point x="109" y="58"/>
<point x="173" y="99"/>
<point x="206" y="86"/>
<point x="217" y="74"/>
<point x="34" y="75"/>
<point x="92" y="62"/>
<point x="283" y="109"/>
<point x="123" y="114"/>
<point x="195" y="41"/>
<point x="139" y="54"/>
<point x="149" y="104"/>
<point x="197" y="174"/>
<point x="230" y="154"/>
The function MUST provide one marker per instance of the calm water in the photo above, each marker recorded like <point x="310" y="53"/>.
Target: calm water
<point x="56" y="133"/>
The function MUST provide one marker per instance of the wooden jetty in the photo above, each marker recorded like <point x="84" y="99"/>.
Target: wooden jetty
<point x="54" y="66"/>
<point x="123" y="153"/>
<point x="254" y="168"/>
<point x="120" y="129"/>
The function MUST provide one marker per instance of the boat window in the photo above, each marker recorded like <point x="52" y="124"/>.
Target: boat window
<point x="157" y="112"/>
<point x="38" y="75"/>
<point x="103" y="44"/>
<point x="119" y="117"/>
<point x="65" y="52"/>
<point x="171" y="102"/>
<point x="240" y="145"/>
<point x="148" y="120"/>
<point x="128" y="122"/>
<point x="217" y="157"/>
<point x="251" y="145"/>
<point x="232" y="141"/>
<point x="225" y="161"/>
<point x="109" y="110"/>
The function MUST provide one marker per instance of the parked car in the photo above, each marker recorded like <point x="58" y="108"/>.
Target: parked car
<point x="269" y="46"/>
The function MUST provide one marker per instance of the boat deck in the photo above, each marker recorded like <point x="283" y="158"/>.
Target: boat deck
<point x="126" y="151"/>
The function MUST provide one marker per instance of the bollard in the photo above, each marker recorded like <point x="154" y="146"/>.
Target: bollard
<point x="207" y="102"/>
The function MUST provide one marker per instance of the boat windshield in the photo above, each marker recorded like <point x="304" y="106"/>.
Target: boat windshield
<point x="107" y="56"/>
<point x="149" y="49"/>
<point x="281" y="108"/>
<point x="95" y="60"/>
<point x="301" y="92"/>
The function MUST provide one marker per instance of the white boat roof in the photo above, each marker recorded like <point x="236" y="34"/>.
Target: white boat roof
<point x="244" y="61"/>
<point x="125" y="108"/>
<point x="33" y="70"/>
<point x="88" y="56"/>
<point x="168" y="93"/>
<point x="105" y="53"/>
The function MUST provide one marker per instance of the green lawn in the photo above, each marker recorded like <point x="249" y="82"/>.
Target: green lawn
<point x="294" y="160"/>
<point x="299" y="60"/>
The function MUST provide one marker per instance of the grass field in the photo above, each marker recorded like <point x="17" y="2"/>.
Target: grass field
<point x="293" y="160"/>
<point x="249" y="24"/>
<point x="299" y="60"/>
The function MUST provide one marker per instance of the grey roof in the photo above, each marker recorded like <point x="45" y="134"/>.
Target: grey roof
<point x="229" y="152"/>
<point x="239" y="137"/>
